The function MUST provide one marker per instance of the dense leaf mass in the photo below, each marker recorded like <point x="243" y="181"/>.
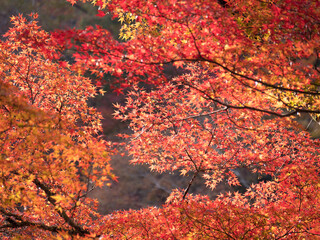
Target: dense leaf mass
<point x="50" y="155"/>
<point x="246" y="72"/>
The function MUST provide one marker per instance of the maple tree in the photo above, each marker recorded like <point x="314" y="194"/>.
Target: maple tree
<point x="245" y="71"/>
<point x="51" y="155"/>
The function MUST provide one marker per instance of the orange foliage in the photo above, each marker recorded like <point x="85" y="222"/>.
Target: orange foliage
<point x="50" y="153"/>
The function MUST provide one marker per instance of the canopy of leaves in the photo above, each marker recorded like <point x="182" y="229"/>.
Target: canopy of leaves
<point x="246" y="70"/>
<point x="50" y="153"/>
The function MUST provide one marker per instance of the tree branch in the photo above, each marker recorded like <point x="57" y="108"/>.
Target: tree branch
<point x="78" y="229"/>
<point x="16" y="221"/>
<point x="291" y="113"/>
<point x="189" y="185"/>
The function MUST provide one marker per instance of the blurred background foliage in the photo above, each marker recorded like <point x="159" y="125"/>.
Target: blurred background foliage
<point x="56" y="14"/>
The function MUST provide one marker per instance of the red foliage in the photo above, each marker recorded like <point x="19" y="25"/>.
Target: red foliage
<point x="247" y="69"/>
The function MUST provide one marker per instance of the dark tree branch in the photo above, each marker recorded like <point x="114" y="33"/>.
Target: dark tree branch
<point x="291" y="113"/>
<point x="259" y="81"/>
<point x="80" y="8"/>
<point x="189" y="185"/>
<point x="16" y="221"/>
<point x="77" y="229"/>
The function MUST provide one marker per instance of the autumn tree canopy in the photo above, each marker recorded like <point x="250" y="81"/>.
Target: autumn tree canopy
<point x="51" y="154"/>
<point x="245" y="72"/>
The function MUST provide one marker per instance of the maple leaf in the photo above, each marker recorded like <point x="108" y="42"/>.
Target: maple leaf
<point x="100" y="13"/>
<point x="102" y="92"/>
